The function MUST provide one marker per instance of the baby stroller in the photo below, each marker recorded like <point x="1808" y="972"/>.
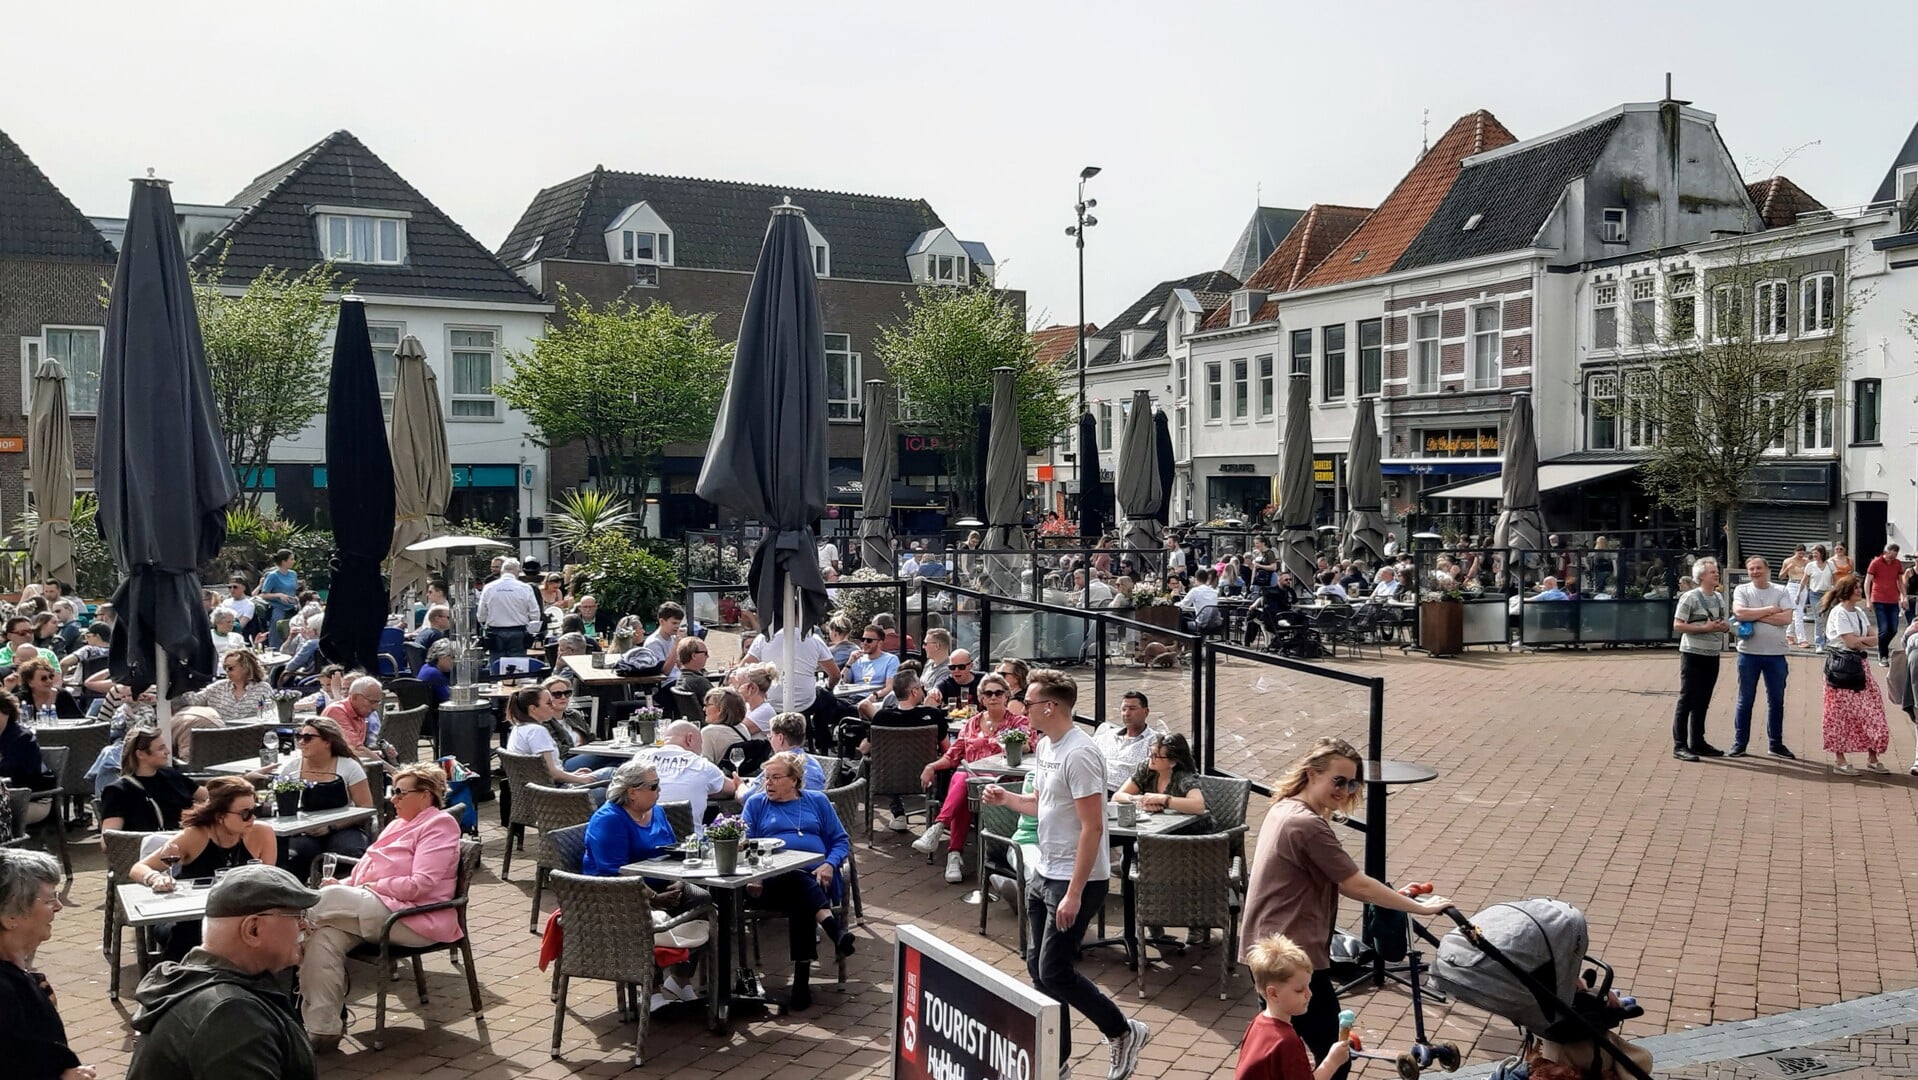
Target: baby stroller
<point x="1522" y="961"/>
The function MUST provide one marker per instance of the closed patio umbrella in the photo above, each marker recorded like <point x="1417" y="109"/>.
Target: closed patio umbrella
<point x="160" y="465"/>
<point x="422" y="468"/>
<point x="1005" y="485"/>
<point x="1298" y="545"/>
<point x="1520" y="525"/>
<point x="879" y="463"/>
<point x="1094" y="514"/>
<point x="768" y="457"/>
<point x="50" y="472"/>
<point x="1140" y="489"/>
<point x="1364" y="491"/>
<point x="359" y="497"/>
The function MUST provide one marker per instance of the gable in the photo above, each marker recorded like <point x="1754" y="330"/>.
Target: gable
<point x="36" y="219"/>
<point x="1907" y="156"/>
<point x="1147" y="314"/>
<point x="1322" y="229"/>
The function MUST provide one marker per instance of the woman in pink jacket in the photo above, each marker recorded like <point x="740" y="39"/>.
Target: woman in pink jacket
<point x="415" y="861"/>
<point x="979" y="738"/>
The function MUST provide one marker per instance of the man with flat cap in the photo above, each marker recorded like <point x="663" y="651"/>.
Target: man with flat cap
<point x="226" y="1011"/>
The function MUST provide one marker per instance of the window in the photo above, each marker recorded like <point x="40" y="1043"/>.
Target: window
<point x="1301" y="353"/>
<point x="1241" y="308"/>
<point x="1214" y="392"/>
<point x="1638" y="429"/>
<point x="1816" y="420"/>
<point x="1605" y="316"/>
<point x="1178" y="367"/>
<point x="1771" y="310"/>
<point x="1728" y="312"/>
<point x="1178" y="433"/>
<point x="1817" y="297"/>
<point x="474" y="353"/>
<point x="842" y="378"/>
<point x="386" y="342"/>
<point x="1267" y="390"/>
<point x="909" y="414"/>
<point x="946" y="269"/>
<point x="1241" y="391"/>
<point x="1682" y="296"/>
<point x="1866" y="398"/>
<point x="1371" y="357"/>
<point x="821" y="261"/>
<point x="1644" y="311"/>
<point x="1907" y="182"/>
<point x="1774" y="413"/>
<point x="1334" y="339"/>
<point x="78" y="350"/>
<point x="635" y="246"/>
<point x="1132" y="342"/>
<point x="1105" y="426"/>
<point x="1601" y="412"/>
<point x="1611" y="227"/>
<point x="1425" y="354"/>
<point x="1486" y="321"/>
<point x="359" y="238"/>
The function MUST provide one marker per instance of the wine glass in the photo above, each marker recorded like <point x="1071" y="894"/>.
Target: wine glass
<point x="737" y="755"/>
<point x="170" y="856"/>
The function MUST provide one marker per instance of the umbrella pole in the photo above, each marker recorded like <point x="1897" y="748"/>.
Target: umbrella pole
<point x="162" y="709"/>
<point x="789" y="617"/>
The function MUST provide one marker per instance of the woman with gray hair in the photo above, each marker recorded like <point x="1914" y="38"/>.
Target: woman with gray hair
<point x="631" y="828"/>
<point x="34" y="1038"/>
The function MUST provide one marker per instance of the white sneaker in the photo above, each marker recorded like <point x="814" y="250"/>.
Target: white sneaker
<point x="660" y="1001"/>
<point x="955" y="867"/>
<point x="1007" y="889"/>
<point x="673" y="988"/>
<point x="1197" y="936"/>
<point x="1125" y="1050"/>
<point x="1914" y="768"/>
<point x="899" y="823"/>
<point x="934" y="836"/>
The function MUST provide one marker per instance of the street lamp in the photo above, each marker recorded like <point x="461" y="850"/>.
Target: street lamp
<point x="1078" y="233"/>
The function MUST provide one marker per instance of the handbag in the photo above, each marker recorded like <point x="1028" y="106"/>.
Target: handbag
<point x="1844" y="669"/>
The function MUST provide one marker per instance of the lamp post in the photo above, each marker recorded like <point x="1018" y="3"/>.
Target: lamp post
<point x="1078" y="233"/>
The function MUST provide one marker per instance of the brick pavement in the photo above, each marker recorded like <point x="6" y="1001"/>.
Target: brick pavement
<point x="1715" y="889"/>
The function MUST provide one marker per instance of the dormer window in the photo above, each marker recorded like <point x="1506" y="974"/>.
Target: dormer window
<point x="1907" y="182"/>
<point x="368" y="237"/>
<point x="645" y="247"/>
<point x="639" y="237"/>
<point x="821" y="260"/>
<point x="1241" y="308"/>
<point x="947" y="269"/>
<point x="1132" y="342"/>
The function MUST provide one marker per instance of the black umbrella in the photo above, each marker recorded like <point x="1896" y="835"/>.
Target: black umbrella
<point x="160" y="466"/>
<point x="878" y="463"/>
<point x="768" y="455"/>
<point x="359" y="496"/>
<point x="1298" y="544"/>
<point x="1093" y="513"/>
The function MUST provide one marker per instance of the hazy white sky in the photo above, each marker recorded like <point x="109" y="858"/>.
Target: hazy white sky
<point x="987" y="109"/>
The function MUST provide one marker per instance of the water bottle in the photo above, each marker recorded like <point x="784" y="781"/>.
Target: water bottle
<point x="269" y="750"/>
<point x="49" y="715"/>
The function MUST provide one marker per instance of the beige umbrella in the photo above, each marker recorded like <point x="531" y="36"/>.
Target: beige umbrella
<point x="50" y="444"/>
<point x="422" y="469"/>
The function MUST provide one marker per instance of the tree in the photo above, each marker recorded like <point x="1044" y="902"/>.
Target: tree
<point x="623" y="379"/>
<point x="1719" y="408"/>
<point x="265" y="354"/>
<point x="941" y="359"/>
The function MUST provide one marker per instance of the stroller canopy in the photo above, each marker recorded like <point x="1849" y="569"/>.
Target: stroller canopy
<point x="1545" y="938"/>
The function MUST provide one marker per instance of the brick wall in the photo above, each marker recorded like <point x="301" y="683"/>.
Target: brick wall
<point x="36" y="293"/>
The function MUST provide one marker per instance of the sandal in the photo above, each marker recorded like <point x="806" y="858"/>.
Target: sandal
<point x="1846" y="769"/>
<point x="1876" y="766"/>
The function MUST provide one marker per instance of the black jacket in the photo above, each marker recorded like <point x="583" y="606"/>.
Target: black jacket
<point x="33" y="1041"/>
<point x="201" y="1019"/>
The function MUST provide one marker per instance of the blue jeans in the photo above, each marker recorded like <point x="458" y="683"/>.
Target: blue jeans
<point x="1887" y="626"/>
<point x="1750" y="667"/>
<point x="1817" y="617"/>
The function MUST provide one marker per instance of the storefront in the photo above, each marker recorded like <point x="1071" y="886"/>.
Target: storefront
<point x="1238" y="490"/>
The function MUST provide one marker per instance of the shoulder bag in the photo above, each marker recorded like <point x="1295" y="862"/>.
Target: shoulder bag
<point x="1845" y="668"/>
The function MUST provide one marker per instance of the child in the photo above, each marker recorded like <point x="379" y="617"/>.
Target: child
<point x="1271" y="1050"/>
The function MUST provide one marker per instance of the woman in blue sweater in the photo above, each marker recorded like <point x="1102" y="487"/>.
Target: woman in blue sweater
<point x="630" y="827"/>
<point x="783" y="810"/>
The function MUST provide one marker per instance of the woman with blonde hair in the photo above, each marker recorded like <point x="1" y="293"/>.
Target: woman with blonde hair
<point x="1300" y="870"/>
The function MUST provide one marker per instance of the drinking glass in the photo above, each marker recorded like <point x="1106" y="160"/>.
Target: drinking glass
<point x="170" y="856"/>
<point x="329" y="866"/>
<point x="737" y="755"/>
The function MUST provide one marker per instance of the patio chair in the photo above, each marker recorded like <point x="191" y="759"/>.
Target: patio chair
<point x="383" y="954"/>
<point x="402" y="727"/>
<point x="845" y="802"/>
<point x="218" y="745"/>
<point x="998" y="854"/>
<point x="679" y="814"/>
<point x="894" y="763"/>
<point x="843" y="909"/>
<point x="687" y="705"/>
<point x="551" y="808"/>
<point x="123" y="849"/>
<point x="1367" y="628"/>
<point x="609" y="934"/>
<point x="517" y="771"/>
<point x="55" y="758"/>
<point x="83" y="743"/>
<point x="1188" y="881"/>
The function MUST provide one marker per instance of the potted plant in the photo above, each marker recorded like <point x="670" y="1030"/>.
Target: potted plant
<point x="1153" y="606"/>
<point x="725" y="833"/>
<point x="1015" y="743"/>
<point x="284" y="701"/>
<point x="644" y="723"/>
<point x="286" y="794"/>
<point x="1442" y="621"/>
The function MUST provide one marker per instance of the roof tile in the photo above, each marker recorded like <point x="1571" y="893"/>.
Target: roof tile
<point x="1322" y="228"/>
<point x="1209" y="283"/>
<point x="1056" y="343"/>
<point x="36" y="219"/>
<point x="1780" y="201"/>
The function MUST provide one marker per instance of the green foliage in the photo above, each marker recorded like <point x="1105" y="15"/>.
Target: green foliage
<point x="860" y="605"/>
<point x="480" y="563"/>
<point x="584" y="514"/>
<point x="98" y="574"/>
<point x="624" y="577"/>
<point x="265" y="352"/>
<point x="253" y="538"/>
<point x="624" y="379"/>
<point x="941" y="360"/>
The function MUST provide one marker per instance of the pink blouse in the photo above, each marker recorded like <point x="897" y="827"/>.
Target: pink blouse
<point x="972" y="742"/>
<point x="416" y="862"/>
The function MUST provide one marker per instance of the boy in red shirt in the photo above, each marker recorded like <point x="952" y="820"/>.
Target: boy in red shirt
<point x="1271" y="1050"/>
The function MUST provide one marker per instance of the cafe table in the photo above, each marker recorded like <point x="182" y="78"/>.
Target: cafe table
<point x="728" y="900"/>
<point x="605" y="683"/>
<point x="144" y="907"/>
<point x="1380" y="777"/>
<point x="1155" y="823"/>
<point x="294" y="824"/>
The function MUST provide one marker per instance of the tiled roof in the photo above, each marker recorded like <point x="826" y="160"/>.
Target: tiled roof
<point x="36" y="219"/>
<point x="1206" y="287"/>
<point x="1511" y="194"/>
<point x="1780" y="201"/>
<point x="1266" y="230"/>
<point x="1907" y="155"/>
<point x="1322" y="228"/>
<point x="1056" y="343"/>
<point x="277" y="229"/>
<point x="720" y="224"/>
<point x="1376" y="245"/>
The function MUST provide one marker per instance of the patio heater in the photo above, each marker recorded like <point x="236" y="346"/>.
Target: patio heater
<point x="465" y="657"/>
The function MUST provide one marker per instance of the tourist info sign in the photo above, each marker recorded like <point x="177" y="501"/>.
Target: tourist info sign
<point x="954" y="1018"/>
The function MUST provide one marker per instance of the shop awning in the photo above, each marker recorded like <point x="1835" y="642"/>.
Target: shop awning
<point x="1551" y="477"/>
<point x="1439" y="466"/>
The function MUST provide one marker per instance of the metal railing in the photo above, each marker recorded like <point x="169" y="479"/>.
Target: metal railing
<point x="1615" y="596"/>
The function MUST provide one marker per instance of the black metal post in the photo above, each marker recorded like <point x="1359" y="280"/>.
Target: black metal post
<point x="1206" y="728"/>
<point x="1099" y="668"/>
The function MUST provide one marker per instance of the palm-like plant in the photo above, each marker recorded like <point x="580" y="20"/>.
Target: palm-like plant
<point x="582" y="515"/>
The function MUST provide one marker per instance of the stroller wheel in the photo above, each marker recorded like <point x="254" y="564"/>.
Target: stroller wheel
<point x="1447" y="1056"/>
<point x="1408" y="1066"/>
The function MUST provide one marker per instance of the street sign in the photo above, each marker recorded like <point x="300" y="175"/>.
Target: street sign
<point x="954" y="1018"/>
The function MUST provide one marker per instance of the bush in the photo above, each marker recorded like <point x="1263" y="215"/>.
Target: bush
<point x="860" y="605"/>
<point x="92" y="559"/>
<point x="624" y="577"/>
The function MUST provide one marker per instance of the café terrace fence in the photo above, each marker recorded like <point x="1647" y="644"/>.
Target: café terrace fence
<point x="1620" y="596"/>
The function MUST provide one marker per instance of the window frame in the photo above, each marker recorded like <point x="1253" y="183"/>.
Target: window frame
<point x="946" y="269"/>
<point x="1605" y="309"/>
<point x="845" y="410"/>
<point x="1641" y="310"/>
<point x="42" y="351"/>
<point x="1241" y="308"/>
<point x="1214" y="392"/>
<point x="1299" y="353"/>
<point x="1476" y="339"/>
<point x="453" y="397"/>
<point x="1681" y="288"/>
<point x="1728" y="314"/>
<point x="1614" y="225"/>
<point x="1635" y="431"/>
<point x="323" y="232"/>
<point x="1241" y="389"/>
<point x="1817" y="303"/>
<point x="821" y="260"/>
<point x="1859" y="395"/>
<point x="1771" y="321"/>
<point x="1265" y="370"/>
<point x="386" y="395"/>
<point x="1371" y="358"/>
<point x="1332" y="363"/>
<point x="1607" y="415"/>
<point x="1419" y="353"/>
<point x="1904" y="182"/>
<point x="1819" y="410"/>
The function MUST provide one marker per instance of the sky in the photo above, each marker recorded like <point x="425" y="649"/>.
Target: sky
<point x="1196" y="113"/>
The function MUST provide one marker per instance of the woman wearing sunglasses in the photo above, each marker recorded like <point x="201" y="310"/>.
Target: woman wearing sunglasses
<point x="1300" y="870"/>
<point x="334" y="779"/>
<point x="979" y="738"/>
<point x="218" y="834"/>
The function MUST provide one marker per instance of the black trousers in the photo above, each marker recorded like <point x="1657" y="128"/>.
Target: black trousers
<point x="1697" y="676"/>
<point x="1052" y="952"/>
<point x="505" y="641"/>
<point x="797" y="895"/>
<point x="1318" y="1025"/>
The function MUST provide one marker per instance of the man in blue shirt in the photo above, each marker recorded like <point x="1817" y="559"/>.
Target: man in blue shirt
<point x="874" y="666"/>
<point x="1548" y="590"/>
<point x="280" y="591"/>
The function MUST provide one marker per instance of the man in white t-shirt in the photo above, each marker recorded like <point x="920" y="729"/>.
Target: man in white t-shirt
<point x="813" y="657"/>
<point x="686" y="776"/>
<point x="1071" y="880"/>
<point x="1766" y="607"/>
<point x="828" y="556"/>
<point x="1126" y="744"/>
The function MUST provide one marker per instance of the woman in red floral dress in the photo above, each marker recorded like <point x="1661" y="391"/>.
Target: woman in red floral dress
<point x="1854" y="719"/>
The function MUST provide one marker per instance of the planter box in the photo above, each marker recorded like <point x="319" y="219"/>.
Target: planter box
<point x="1442" y="627"/>
<point x="1163" y="615"/>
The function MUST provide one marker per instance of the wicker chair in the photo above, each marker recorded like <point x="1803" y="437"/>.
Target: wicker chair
<point x="123" y="850"/>
<point x="846" y="797"/>
<point x="830" y="767"/>
<point x="401" y="727"/>
<point x="679" y="814"/>
<point x="56" y="760"/>
<point x="686" y="706"/>
<point x="997" y="853"/>
<point x="218" y="745"/>
<point x="383" y="954"/>
<point x="84" y="743"/>
<point x="892" y="767"/>
<point x="551" y="808"/>
<point x="1188" y="881"/>
<point x="564" y="849"/>
<point x="609" y="934"/>
<point x="517" y="771"/>
<point x="1225" y="803"/>
<point x="845" y="802"/>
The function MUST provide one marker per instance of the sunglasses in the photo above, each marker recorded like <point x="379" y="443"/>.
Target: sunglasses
<point x="958" y="667"/>
<point x="243" y="815"/>
<point x="305" y="736"/>
<point x="399" y="791"/>
<point x="992" y="693"/>
<point x="869" y="640"/>
<point x="1346" y="783"/>
<point x="562" y="693"/>
<point x="652" y="785"/>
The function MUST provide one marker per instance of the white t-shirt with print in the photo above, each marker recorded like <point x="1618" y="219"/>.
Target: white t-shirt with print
<point x="1069" y="769"/>
<point x="813" y="655"/>
<point x="686" y="776"/>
